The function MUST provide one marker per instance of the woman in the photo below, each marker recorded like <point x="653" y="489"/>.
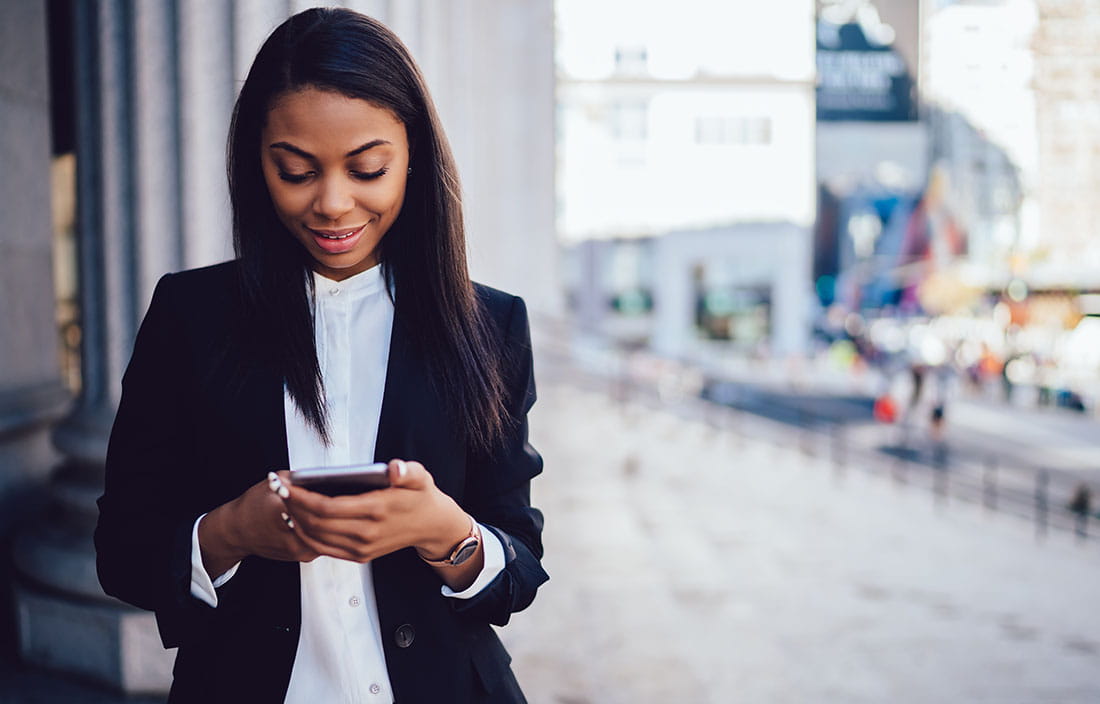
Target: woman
<point x="345" y="331"/>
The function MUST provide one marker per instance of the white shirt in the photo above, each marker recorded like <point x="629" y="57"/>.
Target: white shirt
<point x="340" y="656"/>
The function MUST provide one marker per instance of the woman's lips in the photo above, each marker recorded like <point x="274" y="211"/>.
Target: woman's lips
<point x="337" y="241"/>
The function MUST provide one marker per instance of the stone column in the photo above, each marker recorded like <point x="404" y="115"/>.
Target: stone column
<point x="205" y="103"/>
<point x="125" y="186"/>
<point x="490" y="67"/>
<point x="591" y="291"/>
<point x="673" y="296"/>
<point x="31" y="392"/>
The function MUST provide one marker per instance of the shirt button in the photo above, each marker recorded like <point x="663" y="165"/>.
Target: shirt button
<point x="375" y="688"/>
<point x="334" y="291"/>
<point x="354" y="601"/>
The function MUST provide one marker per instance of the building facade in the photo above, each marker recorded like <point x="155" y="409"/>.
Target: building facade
<point x="700" y="125"/>
<point x="1067" y="97"/>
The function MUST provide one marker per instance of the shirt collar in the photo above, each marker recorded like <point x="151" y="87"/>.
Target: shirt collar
<point x="358" y="286"/>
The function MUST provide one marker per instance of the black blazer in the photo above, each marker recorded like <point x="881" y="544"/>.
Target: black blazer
<point x="201" y="419"/>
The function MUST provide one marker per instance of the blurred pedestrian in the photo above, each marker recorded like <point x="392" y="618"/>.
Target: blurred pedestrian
<point x="1081" y="506"/>
<point x="936" y="434"/>
<point x="916" y="375"/>
<point x="885" y="409"/>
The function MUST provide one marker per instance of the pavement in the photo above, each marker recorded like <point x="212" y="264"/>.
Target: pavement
<point x="690" y="564"/>
<point x="701" y="560"/>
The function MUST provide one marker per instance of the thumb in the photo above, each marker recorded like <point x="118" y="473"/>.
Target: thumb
<point x="407" y="475"/>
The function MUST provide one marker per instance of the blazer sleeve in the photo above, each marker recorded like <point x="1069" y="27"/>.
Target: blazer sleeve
<point x="498" y="491"/>
<point x="143" y="535"/>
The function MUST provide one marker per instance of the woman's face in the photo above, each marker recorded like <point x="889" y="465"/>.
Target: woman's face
<point x="336" y="168"/>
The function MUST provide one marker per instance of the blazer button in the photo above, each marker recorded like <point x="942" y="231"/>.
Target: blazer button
<point x="404" y="636"/>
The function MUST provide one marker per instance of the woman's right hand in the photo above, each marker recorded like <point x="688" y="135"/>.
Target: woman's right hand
<point x="251" y="524"/>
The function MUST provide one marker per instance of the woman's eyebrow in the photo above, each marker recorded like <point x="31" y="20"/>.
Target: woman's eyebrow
<point x="306" y="155"/>
<point x="364" y="147"/>
<point x="293" y="150"/>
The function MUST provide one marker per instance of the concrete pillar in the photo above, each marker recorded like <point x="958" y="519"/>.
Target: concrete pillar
<point x="591" y="290"/>
<point x="31" y="392"/>
<point x="490" y="67"/>
<point x="128" y="234"/>
<point x="673" y="297"/>
<point x="253" y="21"/>
<point x="205" y="103"/>
<point x="792" y="294"/>
<point x="155" y="146"/>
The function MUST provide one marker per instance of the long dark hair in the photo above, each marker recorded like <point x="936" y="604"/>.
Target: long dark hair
<point x="423" y="255"/>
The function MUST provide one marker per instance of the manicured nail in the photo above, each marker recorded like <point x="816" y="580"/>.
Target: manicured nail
<point x="402" y="469"/>
<point x="287" y="520"/>
<point x="276" y="485"/>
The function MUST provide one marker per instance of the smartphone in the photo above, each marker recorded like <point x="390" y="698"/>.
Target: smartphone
<point x="339" y="481"/>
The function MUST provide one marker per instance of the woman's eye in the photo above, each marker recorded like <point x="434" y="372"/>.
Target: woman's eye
<point x="367" y="176"/>
<point x="293" y="178"/>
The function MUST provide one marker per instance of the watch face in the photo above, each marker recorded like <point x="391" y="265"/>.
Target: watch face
<point x="465" y="551"/>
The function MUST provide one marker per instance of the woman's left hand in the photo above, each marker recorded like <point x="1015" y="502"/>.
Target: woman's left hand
<point x="411" y="512"/>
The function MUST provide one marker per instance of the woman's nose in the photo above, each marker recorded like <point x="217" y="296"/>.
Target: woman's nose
<point x="334" y="199"/>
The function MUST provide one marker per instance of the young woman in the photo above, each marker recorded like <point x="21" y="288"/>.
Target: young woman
<point x="345" y="331"/>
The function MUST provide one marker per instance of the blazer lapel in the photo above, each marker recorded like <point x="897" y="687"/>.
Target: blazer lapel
<point x="413" y="424"/>
<point x="268" y="422"/>
<point x="393" y="440"/>
<point x="246" y="427"/>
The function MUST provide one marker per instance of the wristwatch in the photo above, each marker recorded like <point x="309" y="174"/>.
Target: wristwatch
<point x="461" y="552"/>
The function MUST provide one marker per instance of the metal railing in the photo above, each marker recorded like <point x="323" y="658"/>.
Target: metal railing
<point x="1047" y="498"/>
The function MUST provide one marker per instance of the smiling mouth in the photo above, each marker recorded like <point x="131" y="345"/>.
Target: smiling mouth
<point x="336" y="234"/>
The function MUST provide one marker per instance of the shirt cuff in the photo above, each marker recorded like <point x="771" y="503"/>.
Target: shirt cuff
<point x="494" y="564"/>
<point x="201" y="586"/>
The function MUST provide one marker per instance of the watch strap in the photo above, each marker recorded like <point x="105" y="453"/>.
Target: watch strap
<point x="462" y="551"/>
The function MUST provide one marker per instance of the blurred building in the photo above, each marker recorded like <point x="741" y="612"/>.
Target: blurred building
<point x="979" y="80"/>
<point x="141" y="95"/>
<point x="872" y="150"/>
<point x="976" y="206"/>
<point x="685" y="175"/>
<point x="1067" y="93"/>
<point x="928" y="208"/>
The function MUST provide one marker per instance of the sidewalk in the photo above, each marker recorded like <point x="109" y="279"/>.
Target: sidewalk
<point x="710" y="570"/>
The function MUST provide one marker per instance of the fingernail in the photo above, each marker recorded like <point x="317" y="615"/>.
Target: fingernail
<point x="402" y="470"/>
<point x="287" y="520"/>
<point x="276" y="485"/>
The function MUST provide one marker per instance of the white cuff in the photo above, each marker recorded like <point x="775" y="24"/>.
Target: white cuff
<point x="201" y="586"/>
<point x="494" y="563"/>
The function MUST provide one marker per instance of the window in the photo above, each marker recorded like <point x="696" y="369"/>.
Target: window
<point x="629" y="119"/>
<point x="631" y="61"/>
<point x="712" y="130"/>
